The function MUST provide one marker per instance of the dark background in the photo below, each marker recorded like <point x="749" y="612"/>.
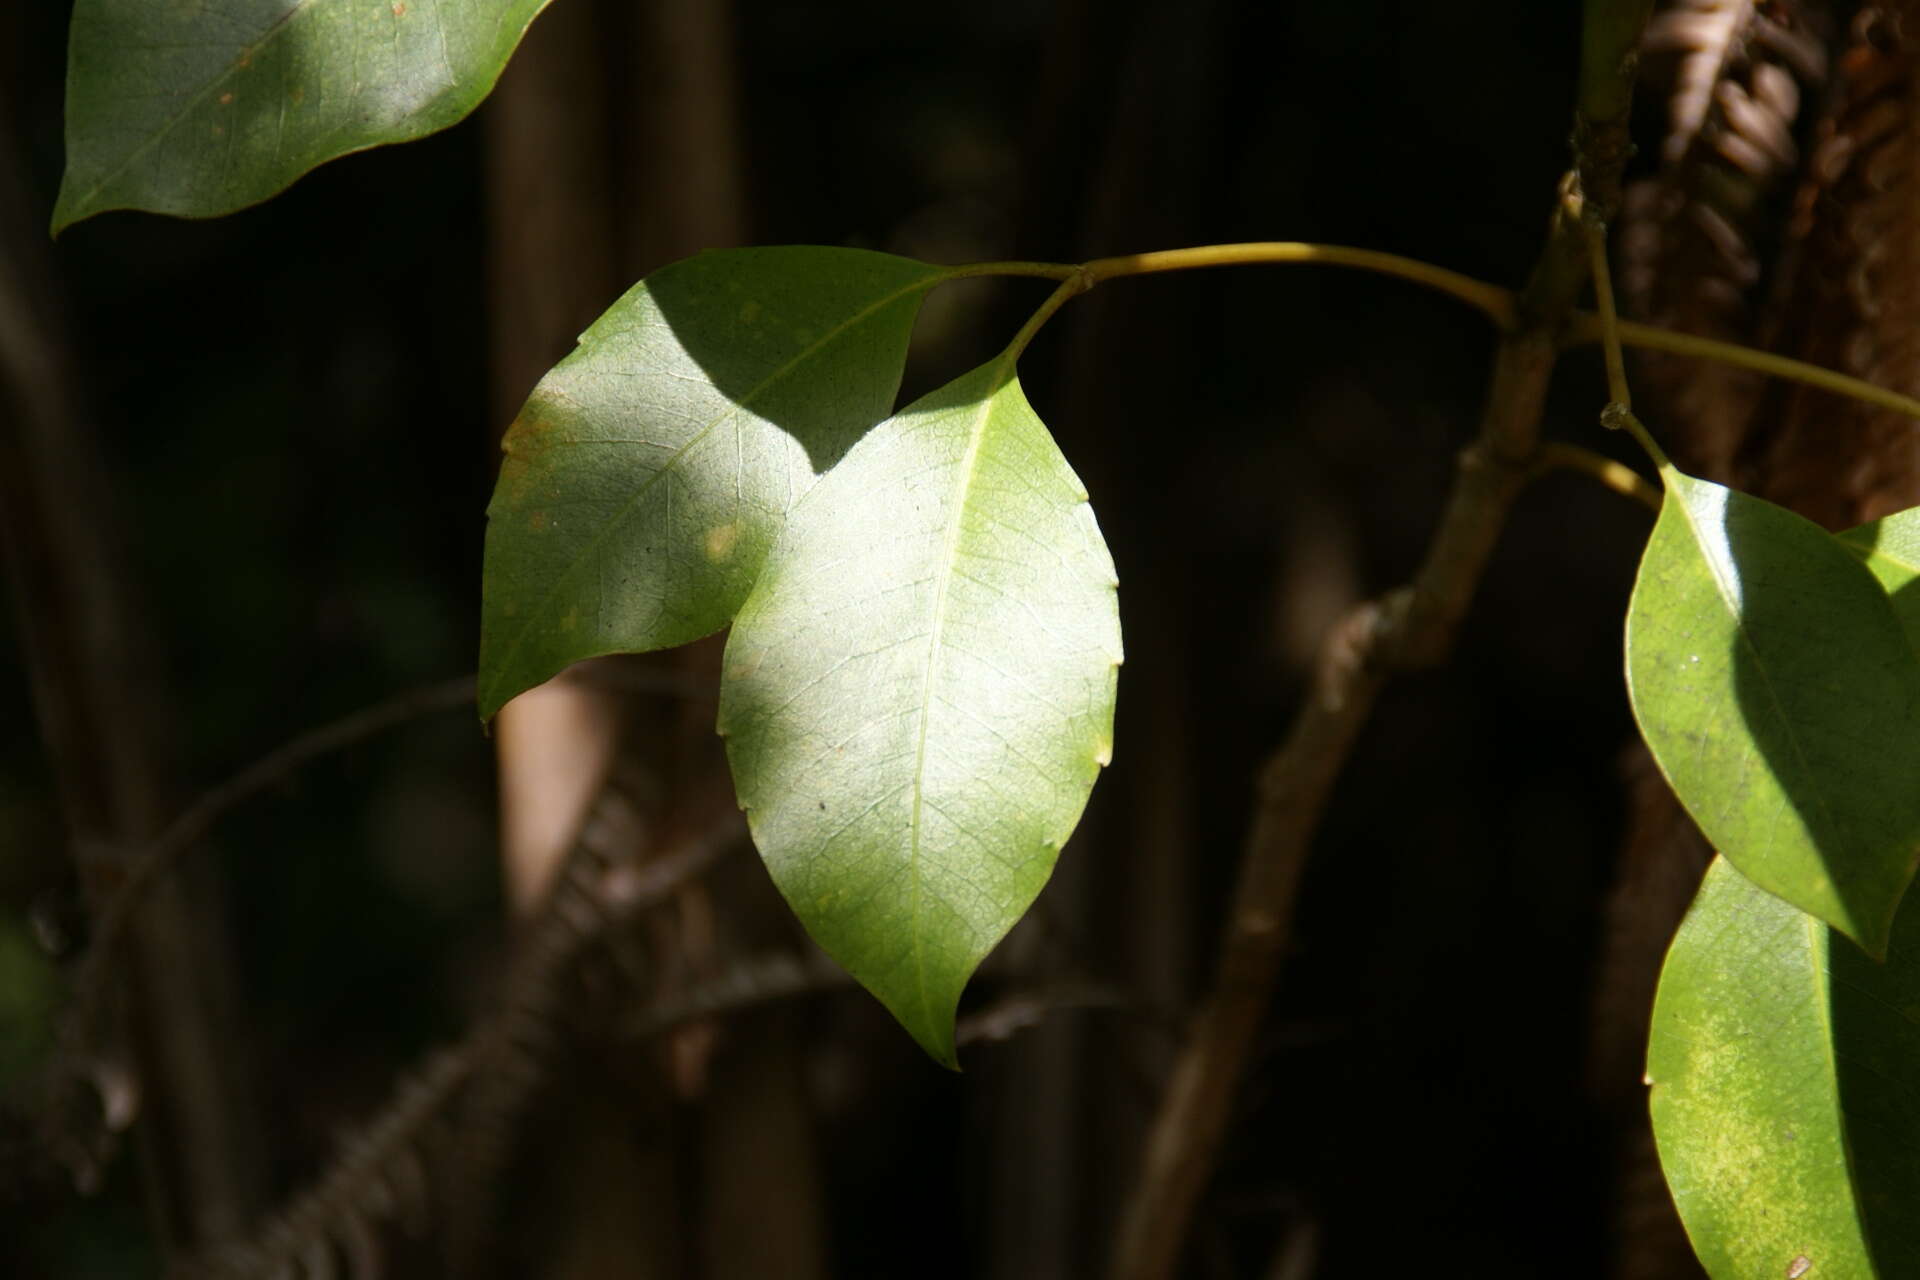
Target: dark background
<point x="295" y="405"/>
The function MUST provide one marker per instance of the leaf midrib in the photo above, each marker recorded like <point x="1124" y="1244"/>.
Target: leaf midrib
<point x="950" y="542"/>
<point x="225" y="74"/>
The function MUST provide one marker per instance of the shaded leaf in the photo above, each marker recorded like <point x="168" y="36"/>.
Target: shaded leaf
<point x="1891" y="548"/>
<point x="1785" y="1068"/>
<point x="1782" y="700"/>
<point x="202" y="107"/>
<point x="651" y="469"/>
<point x="918" y="694"/>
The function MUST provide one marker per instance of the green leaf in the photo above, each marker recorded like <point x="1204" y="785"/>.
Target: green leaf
<point x="1782" y="700"/>
<point x="650" y="471"/>
<point x="1786" y="1089"/>
<point x="201" y="107"/>
<point x="918" y="694"/>
<point x="1891" y="548"/>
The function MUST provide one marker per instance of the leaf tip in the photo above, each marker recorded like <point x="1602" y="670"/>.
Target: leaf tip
<point x="939" y="1044"/>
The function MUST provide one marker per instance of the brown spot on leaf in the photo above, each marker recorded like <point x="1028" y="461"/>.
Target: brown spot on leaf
<point x="399" y="10"/>
<point x="1799" y="1267"/>
<point x="226" y="99"/>
<point x="527" y="441"/>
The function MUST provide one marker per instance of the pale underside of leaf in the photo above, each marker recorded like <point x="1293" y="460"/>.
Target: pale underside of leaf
<point x="1780" y="697"/>
<point x="201" y="107"/>
<point x="650" y="471"/>
<point x="918" y="694"/>
<point x="1783" y="1067"/>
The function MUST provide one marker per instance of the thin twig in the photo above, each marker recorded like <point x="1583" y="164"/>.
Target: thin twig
<point x="1596" y="234"/>
<point x="1584" y="327"/>
<point x="768" y="979"/>
<point x="187" y="830"/>
<point x="1556" y="455"/>
<point x="1496" y="302"/>
<point x="1499" y="304"/>
<point x="1411" y="627"/>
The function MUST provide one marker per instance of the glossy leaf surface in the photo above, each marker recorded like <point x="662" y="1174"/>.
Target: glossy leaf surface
<point x="1785" y="1067"/>
<point x="651" y="470"/>
<point x="202" y="107"/>
<point x="1781" y="698"/>
<point x="918" y="694"/>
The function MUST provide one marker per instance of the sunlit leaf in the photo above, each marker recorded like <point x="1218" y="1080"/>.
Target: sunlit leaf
<point x="201" y="107"/>
<point x="1781" y="697"/>
<point x="918" y="694"/>
<point x="1785" y="1067"/>
<point x="650" y="471"/>
<point x="1891" y="548"/>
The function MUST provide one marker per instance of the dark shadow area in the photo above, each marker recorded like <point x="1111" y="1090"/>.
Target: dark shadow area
<point x="811" y="340"/>
<point x="1829" y="692"/>
<point x="1876" y="1031"/>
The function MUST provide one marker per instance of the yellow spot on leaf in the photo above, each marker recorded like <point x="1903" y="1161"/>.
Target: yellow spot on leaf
<point x="1103" y="754"/>
<point x="721" y="541"/>
<point x="750" y="313"/>
<point x="570" y="620"/>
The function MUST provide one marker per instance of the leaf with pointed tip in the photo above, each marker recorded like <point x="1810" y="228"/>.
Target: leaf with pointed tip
<point x="202" y="107"/>
<point x="1891" y="548"/>
<point x="1783" y="1067"/>
<point x="1779" y="695"/>
<point x="918" y="694"/>
<point x="650" y="471"/>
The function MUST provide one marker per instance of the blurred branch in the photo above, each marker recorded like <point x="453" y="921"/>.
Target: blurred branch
<point x="397" y="1161"/>
<point x="602" y="883"/>
<point x="193" y="824"/>
<point x="1407" y="628"/>
<point x="379" y="1174"/>
<point x="93" y="670"/>
<point x="165" y="851"/>
<point x="1556" y="455"/>
<point x="761" y="980"/>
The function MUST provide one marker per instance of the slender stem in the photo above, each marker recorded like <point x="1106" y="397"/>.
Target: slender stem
<point x="1556" y="455"/>
<point x="1078" y="282"/>
<point x="1587" y="328"/>
<point x="1596" y="233"/>
<point x="1044" y="270"/>
<point x="1496" y="302"/>
<point x="1618" y="417"/>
